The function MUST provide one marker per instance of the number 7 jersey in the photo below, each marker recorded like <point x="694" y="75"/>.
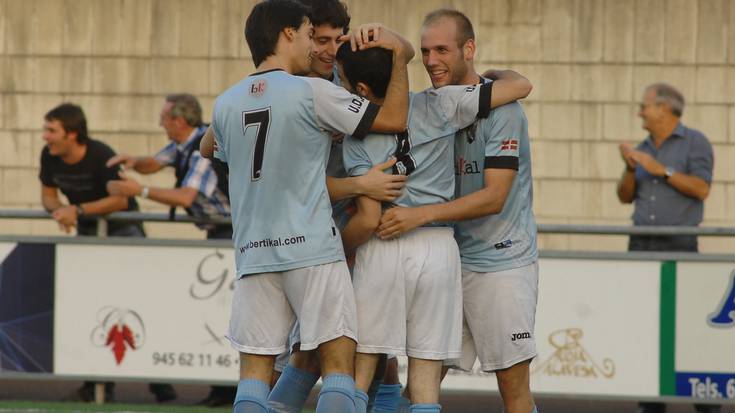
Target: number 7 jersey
<point x="274" y="131"/>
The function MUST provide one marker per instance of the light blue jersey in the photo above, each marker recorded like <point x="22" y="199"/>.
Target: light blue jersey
<point x="336" y="169"/>
<point x="506" y="240"/>
<point x="274" y="131"/>
<point x="425" y="151"/>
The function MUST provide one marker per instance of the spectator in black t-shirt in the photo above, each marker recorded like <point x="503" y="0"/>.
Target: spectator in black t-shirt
<point x="75" y="164"/>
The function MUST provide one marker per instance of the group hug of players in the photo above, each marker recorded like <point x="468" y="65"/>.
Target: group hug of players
<point x="440" y="222"/>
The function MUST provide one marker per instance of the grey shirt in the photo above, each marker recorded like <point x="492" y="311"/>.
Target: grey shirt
<point x="656" y="202"/>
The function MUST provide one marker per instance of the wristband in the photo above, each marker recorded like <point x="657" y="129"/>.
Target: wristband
<point x="144" y="192"/>
<point x="80" y="210"/>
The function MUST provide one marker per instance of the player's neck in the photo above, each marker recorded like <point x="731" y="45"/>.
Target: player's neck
<point x="75" y="154"/>
<point x="274" y="62"/>
<point x="471" y="78"/>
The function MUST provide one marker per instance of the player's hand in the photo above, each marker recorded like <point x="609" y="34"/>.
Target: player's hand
<point x="376" y="35"/>
<point x="399" y="220"/>
<point x="648" y="162"/>
<point x="382" y="186"/>
<point x="66" y="217"/>
<point x="126" y="161"/>
<point x="626" y="150"/>
<point x="126" y="186"/>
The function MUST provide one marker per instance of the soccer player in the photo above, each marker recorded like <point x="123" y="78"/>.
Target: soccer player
<point x="495" y="229"/>
<point x="293" y="379"/>
<point x="273" y="130"/>
<point x="408" y="291"/>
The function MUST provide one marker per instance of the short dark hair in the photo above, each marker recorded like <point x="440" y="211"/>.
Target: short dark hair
<point x="464" y="25"/>
<point x="265" y="23"/>
<point x="187" y="107"/>
<point x="72" y="119"/>
<point x="331" y="12"/>
<point x="371" y="66"/>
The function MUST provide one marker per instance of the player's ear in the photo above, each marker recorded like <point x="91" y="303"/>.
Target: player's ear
<point x="468" y="49"/>
<point x="363" y="89"/>
<point x="290" y="33"/>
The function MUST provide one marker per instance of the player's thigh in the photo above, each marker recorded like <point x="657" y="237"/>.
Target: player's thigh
<point x="261" y="316"/>
<point x="379" y="286"/>
<point x="434" y="296"/>
<point x="324" y="303"/>
<point x="500" y="310"/>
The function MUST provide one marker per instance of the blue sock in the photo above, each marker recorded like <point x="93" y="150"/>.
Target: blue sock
<point x="372" y="393"/>
<point x="425" y="408"/>
<point x="337" y="395"/>
<point x="292" y="389"/>
<point x="361" y="401"/>
<point x="404" y="405"/>
<point x="252" y="397"/>
<point x="387" y="398"/>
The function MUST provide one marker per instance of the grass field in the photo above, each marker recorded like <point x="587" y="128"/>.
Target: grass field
<point x="45" y="407"/>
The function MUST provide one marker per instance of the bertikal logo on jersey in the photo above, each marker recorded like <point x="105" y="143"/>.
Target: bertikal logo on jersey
<point x="119" y="329"/>
<point x="258" y="88"/>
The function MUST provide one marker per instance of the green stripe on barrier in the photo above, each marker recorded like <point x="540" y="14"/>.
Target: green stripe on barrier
<point x="667" y="343"/>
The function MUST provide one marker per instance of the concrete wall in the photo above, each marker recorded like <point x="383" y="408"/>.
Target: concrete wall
<point x="589" y="61"/>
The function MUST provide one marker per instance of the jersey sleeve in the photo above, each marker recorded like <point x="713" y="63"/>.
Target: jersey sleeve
<point x="502" y="138"/>
<point x="356" y="160"/>
<point x="462" y="105"/>
<point x="340" y="111"/>
<point x="106" y="174"/>
<point x="701" y="159"/>
<point x="45" y="174"/>
<point x="167" y="155"/>
<point x="220" y="152"/>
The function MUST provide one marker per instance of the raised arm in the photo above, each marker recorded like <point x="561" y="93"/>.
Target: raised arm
<point x="508" y="86"/>
<point x="393" y="114"/>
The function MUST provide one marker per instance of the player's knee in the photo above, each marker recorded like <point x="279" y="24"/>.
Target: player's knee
<point x="513" y="382"/>
<point x="306" y="361"/>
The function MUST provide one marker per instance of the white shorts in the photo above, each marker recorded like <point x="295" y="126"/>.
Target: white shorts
<point x="265" y="307"/>
<point x="500" y="315"/>
<point x="409" y="295"/>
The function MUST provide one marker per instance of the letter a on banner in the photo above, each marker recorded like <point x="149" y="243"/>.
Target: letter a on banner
<point x="724" y="316"/>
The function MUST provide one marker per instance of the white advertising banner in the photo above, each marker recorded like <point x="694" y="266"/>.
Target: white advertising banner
<point x="143" y="312"/>
<point x="161" y="312"/>
<point x="703" y="292"/>
<point x="597" y="330"/>
<point x="705" y="330"/>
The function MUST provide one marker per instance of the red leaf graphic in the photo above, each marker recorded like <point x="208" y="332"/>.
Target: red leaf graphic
<point x="116" y="338"/>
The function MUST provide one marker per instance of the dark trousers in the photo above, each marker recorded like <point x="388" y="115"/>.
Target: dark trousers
<point x="677" y="243"/>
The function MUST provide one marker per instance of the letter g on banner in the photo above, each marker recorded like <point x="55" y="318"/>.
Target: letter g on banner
<point x="724" y="316"/>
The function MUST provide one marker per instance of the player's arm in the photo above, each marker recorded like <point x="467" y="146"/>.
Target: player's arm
<point x="392" y="116"/>
<point x="141" y="164"/>
<point x="487" y="201"/>
<point x="362" y="225"/>
<point x="508" y="86"/>
<point x="375" y="184"/>
<point x="208" y="143"/>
